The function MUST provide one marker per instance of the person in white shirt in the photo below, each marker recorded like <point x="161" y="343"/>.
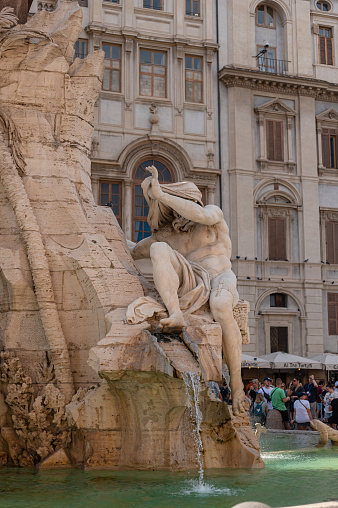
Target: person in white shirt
<point x="266" y="390"/>
<point x="303" y="414"/>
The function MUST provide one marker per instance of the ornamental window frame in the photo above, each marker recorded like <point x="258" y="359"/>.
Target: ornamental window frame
<point x="327" y="215"/>
<point x="323" y="2"/>
<point x="276" y="110"/>
<point x="283" y="208"/>
<point x="326" y="120"/>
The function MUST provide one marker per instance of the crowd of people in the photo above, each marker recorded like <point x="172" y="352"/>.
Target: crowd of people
<point x="298" y="404"/>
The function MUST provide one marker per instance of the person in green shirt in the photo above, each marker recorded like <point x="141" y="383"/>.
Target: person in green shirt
<point x="278" y="399"/>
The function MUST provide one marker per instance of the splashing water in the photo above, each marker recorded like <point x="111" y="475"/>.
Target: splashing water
<point x="226" y="374"/>
<point x="192" y="388"/>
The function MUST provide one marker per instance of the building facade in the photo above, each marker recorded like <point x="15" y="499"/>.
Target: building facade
<point x="158" y="101"/>
<point x="270" y="96"/>
<point x="279" y="120"/>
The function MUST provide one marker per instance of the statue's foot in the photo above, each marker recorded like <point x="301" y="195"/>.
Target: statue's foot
<point x="174" y="323"/>
<point x="238" y="402"/>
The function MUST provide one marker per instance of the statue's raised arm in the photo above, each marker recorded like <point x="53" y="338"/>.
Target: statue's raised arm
<point x="191" y="210"/>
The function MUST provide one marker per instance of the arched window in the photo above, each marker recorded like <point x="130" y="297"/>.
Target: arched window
<point x="266" y="16"/>
<point x="141" y="228"/>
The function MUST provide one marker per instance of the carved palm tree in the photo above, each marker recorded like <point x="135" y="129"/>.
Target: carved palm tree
<point x="30" y="232"/>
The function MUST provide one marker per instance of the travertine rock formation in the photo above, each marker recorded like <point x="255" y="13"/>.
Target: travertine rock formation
<point x="66" y="279"/>
<point x="63" y="261"/>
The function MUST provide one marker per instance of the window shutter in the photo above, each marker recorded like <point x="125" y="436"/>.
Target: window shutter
<point x="283" y="339"/>
<point x="329" y="51"/>
<point x="281" y="239"/>
<point x="277" y="238"/>
<point x="330" y="242"/>
<point x="272" y="226"/>
<point x="279" y="141"/>
<point x="270" y="140"/>
<point x="322" y="52"/>
<point x="326" y="148"/>
<point x="333" y="313"/>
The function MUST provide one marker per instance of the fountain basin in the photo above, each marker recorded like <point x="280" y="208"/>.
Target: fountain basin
<point x="296" y="473"/>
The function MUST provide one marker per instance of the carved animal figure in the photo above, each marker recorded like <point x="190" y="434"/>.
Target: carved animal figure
<point x="259" y="430"/>
<point x="325" y="432"/>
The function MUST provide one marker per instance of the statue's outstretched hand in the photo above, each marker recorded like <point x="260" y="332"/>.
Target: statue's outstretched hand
<point x="155" y="191"/>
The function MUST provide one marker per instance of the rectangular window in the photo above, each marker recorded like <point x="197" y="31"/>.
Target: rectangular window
<point x="111" y="195"/>
<point x="193" y="79"/>
<point x="279" y="339"/>
<point x="332" y="303"/>
<point x="275" y="140"/>
<point x="153" y="73"/>
<point x="267" y="61"/>
<point x="331" y="229"/>
<point x="325" y="41"/>
<point x="277" y="238"/>
<point x="81" y="48"/>
<point x="329" y="148"/>
<point x="192" y="7"/>
<point x="83" y="3"/>
<point x="112" y="1"/>
<point x="278" y="300"/>
<point x="153" y="4"/>
<point x="112" y="68"/>
<point x="141" y="210"/>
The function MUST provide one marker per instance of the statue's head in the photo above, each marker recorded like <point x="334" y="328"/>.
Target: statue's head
<point x="160" y="214"/>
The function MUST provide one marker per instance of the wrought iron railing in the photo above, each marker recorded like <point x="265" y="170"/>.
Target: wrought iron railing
<point x="47" y="6"/>
<point x="272" y="65"/>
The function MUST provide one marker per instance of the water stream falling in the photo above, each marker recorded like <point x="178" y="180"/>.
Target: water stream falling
<point x="226" y="374"/>
<point x="192" y="388"/>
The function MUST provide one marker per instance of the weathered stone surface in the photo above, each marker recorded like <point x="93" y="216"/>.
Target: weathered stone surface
<point x="205" y="341"/>
<point x="274" y="420"/>
<point x="56" y="460"/>
<point x="46" y="119"/>
<point x="141" y="421"/>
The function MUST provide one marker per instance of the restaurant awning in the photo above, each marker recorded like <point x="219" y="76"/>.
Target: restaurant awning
<point x="280" y="360"/>
<point x="254" y="362"/>
<point x="328" y="360"/>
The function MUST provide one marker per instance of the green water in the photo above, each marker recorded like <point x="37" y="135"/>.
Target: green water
<point x="295" y="473"/>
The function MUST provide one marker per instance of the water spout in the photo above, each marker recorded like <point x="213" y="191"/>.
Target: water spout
<point x="192" y="387"/>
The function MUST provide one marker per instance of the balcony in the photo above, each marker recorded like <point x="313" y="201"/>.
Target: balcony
<point x="272" y="65"/>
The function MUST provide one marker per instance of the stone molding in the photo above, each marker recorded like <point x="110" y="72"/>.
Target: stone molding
<point x="278" y="84"/>
<point x="275" y="109"/>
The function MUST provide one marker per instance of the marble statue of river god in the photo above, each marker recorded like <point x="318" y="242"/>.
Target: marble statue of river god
<point x="190" y="250"/>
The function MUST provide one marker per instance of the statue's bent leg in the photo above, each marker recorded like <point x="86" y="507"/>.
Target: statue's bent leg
<point x="167" y="275"/>
<point x="221" y="304"/>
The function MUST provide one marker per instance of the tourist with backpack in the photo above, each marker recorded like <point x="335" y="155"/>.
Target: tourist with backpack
<point x="260" y="409"/>
<point x="278" y="399"/>
<point x="266" y="390"/>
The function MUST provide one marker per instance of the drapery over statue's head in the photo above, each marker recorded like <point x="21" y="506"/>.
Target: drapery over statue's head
<point x="160" y="214"/>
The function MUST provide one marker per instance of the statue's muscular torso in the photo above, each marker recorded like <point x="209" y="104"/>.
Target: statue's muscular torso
<point x="209" y="246"/>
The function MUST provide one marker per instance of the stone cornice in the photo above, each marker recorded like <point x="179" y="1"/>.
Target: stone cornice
<point x="168" y="40"/>
<point x="278" y="84"/>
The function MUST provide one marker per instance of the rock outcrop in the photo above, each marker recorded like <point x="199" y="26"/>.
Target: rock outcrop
<point x="66" y="279"/>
